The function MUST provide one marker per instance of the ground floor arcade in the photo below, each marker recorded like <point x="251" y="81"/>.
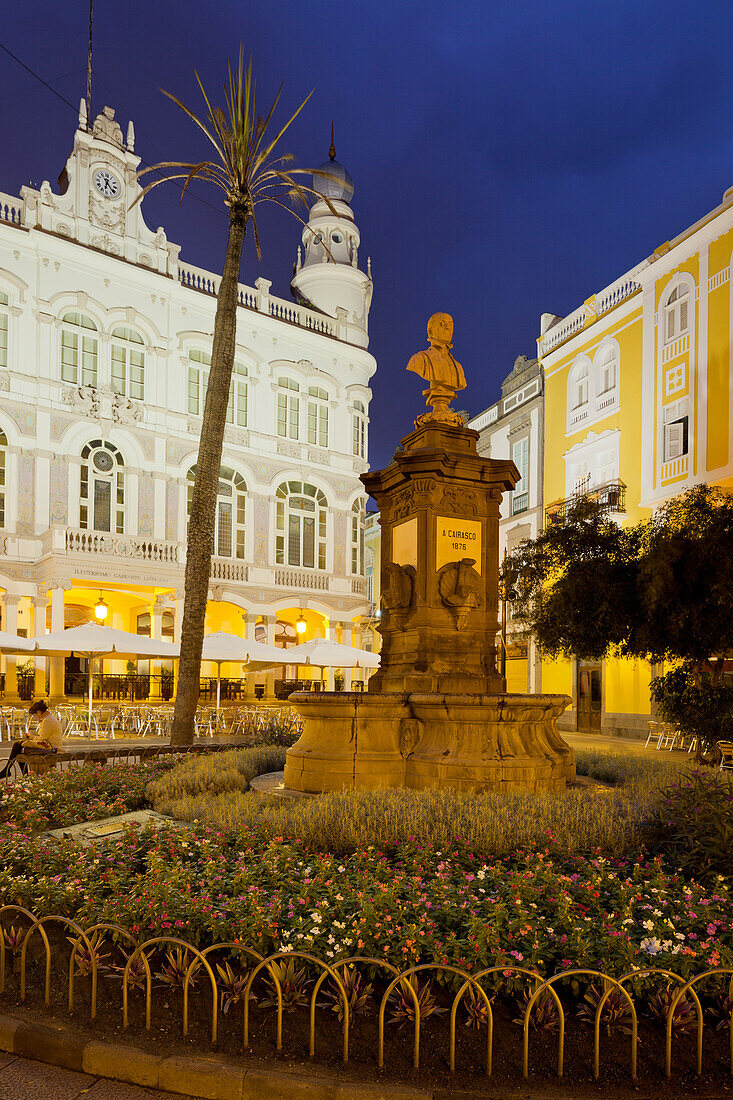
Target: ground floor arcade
<point x="155" y="610"/>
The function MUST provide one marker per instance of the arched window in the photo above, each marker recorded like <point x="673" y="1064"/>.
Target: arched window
<point x="358" y="512"/>
<point x="231" y="509"/>
<point x="676" y="313"/>
<point x="3" y="476"/>
<point x="358" y="430"/>
<point x="301" y="523"/>
<point x="578" y="390"/>
<point x="128" y="363"/>
<point x="198" y="379"/>
<point x="288" y="408"/>
<point x="317" y="416"/>
<point x="199" y="364"/>
<point x="606" y="364"/>
<point x="79" y="349"/>
<point x="102" y="489"/>
<point x="237" y="409"/>
<point x="4" y="328"/>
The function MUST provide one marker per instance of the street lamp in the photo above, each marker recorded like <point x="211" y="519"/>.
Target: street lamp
<point x="507" y="594"/>
<point x="101" y="610"/>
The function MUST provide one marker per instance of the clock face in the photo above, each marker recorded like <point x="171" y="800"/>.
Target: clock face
<point x="106" y="183"/>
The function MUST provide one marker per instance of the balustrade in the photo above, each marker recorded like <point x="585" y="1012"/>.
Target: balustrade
<point x="302" y="578"/>
<point x="124" y="546"/>
<point x="11" y="210"/>
<point x="207" y="282"/>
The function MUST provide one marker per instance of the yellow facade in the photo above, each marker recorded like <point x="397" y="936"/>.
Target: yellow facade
<point x="638" y="389"/>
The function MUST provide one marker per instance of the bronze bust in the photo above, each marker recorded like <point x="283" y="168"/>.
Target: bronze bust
<point x="441" y="369"/>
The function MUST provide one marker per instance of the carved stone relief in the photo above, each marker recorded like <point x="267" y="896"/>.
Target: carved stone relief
<point x="238" y="436"/>
<point x="289" y="450"/>
<point x="106" y="215"/>
<point x="4" y="380"/>
<point x="460" y="589"/>
<point x="171" y="509"/>
<point x="59" y="490"/>
<point x="410" y="734"/>
<point x="24" y="417"/>
<point x="339" y="536"/>
<point x="398" y="586"/>
<point x="26" y="495"/>
<point x="458" y="499"/>
<point x="262" y="523"/>
<point x="145" y="504"/>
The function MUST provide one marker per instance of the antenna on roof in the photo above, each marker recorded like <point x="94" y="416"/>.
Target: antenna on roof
<point x="89" y="69"/>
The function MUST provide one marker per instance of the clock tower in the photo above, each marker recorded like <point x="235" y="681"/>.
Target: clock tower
<point x="96" y="193"/>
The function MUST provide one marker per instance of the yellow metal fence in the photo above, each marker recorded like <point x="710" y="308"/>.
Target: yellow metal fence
<point x="137" y="971"/>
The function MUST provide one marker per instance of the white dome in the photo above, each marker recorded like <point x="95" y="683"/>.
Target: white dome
<point x="339" y="185"/>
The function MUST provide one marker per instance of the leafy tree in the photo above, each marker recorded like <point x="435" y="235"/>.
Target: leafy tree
<point x="249" y="171"/>
<point x="659" y="590"/>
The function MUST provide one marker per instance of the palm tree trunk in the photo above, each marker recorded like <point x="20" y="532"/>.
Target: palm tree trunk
<point x="203" y="506"/>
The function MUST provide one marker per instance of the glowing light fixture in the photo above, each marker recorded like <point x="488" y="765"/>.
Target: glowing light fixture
<point x="300" y="624"/>
<point x="101" y="610"/>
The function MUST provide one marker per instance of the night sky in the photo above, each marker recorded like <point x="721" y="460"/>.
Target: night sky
<point x="509" y="158"/>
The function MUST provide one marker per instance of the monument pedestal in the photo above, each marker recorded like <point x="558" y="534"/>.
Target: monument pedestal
<point x="467" y="742"/>
<point x="436" y="713"/>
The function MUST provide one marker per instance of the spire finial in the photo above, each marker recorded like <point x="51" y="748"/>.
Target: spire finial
<point x="332" y="147"/>
<point x="89" y="68"/>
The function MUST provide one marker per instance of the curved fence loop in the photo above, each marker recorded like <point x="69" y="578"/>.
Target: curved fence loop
<point x="525" y="1024"/>
<point x="198" y="960"/>
<point x="287" y="955"/>
<point x="681" y="992"/>
<point x="646" y="972"/>
<point x="102" y="926"/>
<point x="612" y="984"/>
<point x="406" y="975"/>
<point x="68" y="923"/>
<point x="489" y="1024"/>
<point x="23" y="912"/>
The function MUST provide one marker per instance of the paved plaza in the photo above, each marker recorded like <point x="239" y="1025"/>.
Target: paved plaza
<point x="21" y="1079"/>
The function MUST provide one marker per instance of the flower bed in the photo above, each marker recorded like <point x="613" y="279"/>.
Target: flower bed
<point x="537" y="907"/>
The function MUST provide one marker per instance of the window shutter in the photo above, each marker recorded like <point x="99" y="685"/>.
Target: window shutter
<point x="673" y="440"/>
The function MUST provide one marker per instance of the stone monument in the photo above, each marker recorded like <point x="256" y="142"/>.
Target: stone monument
<point x="436" y="713"/>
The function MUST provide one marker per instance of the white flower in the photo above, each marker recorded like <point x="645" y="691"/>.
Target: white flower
<point x="651" y="945"/>
<point x="628" y="921"/>
<point x="648" y="924"/>
<point x="341" y="869"/>
<point x="679" y="935"/>
<point x="286" y="947"/>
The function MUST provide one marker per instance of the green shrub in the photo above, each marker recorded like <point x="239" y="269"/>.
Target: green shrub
<point x="202" y="778"/>
<point x="695" y="824"/>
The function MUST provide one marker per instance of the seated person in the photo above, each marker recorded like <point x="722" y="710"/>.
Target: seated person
<point x="45" y="739"/>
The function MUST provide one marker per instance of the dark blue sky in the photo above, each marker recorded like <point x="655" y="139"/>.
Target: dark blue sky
<point x="509" y="158"/>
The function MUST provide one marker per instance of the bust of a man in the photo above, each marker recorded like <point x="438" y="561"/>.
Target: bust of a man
<point x="440" y="369"/>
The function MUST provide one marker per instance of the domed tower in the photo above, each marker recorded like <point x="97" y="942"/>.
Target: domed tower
<point x="327" y="274"/>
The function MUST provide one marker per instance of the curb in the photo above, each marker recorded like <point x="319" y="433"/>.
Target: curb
<point x="211" y="1077"/>
<point x="218" y="1077"/>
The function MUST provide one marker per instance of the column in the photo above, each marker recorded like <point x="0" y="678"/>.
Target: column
<point x="248" y="632"/>
<point x="177" y="616"/>
<point x="346" y="639"/>
<point x="56" y="664"/>
<point x="328" y="634"/>
<point x="156" y="632"/>
<point x="39" y="627"/>
<point x="272" y="674"/>
<point x="11" y="662"/>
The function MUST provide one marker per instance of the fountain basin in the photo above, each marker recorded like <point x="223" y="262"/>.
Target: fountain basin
<point x="465" y="742"/>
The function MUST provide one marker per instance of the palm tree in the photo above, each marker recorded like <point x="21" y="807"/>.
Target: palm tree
<point x="248" y="170"/>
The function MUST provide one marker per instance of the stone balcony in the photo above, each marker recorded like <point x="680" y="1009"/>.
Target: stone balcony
<point x="65" y="552"/>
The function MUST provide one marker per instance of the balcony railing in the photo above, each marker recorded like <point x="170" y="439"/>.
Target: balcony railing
<point x="301" y="578"/>
<point x="611" y="498"/>
<point x="121" y="546"/>
<point x="520" y="502"/>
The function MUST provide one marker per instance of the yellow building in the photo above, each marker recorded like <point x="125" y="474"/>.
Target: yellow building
<point x="638" y="388"/>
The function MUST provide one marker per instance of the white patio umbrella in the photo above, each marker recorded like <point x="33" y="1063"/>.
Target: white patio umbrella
<point x="93" y="641"/>
<point x="223" y="648"/>
<point x="13" y="643"/>
<point x="327" y="654"/>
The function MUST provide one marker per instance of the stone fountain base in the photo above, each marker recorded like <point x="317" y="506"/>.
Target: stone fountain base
<point x="466" y="742"/>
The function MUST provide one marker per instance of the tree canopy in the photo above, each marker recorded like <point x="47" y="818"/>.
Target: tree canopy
<point x="660" y="589"/>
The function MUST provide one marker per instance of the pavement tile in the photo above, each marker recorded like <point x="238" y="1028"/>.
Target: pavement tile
<point x="23" y="1079"/>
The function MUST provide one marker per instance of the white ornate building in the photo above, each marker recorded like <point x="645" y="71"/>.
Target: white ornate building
<point x="105" y="339"/>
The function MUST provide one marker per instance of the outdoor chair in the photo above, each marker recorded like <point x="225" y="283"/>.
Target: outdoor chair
<point x="726" y="754"/>
<point x="653" y="734"/>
